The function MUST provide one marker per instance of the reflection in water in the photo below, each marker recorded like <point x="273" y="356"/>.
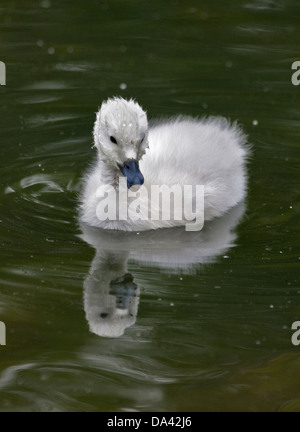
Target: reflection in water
<point x="111" y="297"/>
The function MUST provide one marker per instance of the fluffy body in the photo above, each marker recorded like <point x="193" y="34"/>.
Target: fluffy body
<point x="181" y="151"/>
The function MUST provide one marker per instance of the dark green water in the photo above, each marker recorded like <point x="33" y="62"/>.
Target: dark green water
<point x="209" y="336"/>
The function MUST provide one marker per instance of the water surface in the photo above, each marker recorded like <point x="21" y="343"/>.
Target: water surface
<point x="211" y="313"/>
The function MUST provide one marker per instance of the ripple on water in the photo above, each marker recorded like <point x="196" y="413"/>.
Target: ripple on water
<point x="39" y="120"/>
<point x="68" y="387"/>
<point x="75" y="67"/>
<point x="38" y="99"/>
<point x="46" y="85"/>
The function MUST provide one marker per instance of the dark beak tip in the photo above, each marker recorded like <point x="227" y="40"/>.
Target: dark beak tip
<point x="131" y="171"/>
<point x="136" y="182"/>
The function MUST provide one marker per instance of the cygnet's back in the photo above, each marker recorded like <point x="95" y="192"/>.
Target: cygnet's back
<point x="210" y="152"/>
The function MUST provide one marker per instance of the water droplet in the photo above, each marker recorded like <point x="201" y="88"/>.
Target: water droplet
<point x="123" y="86"/>
<point x="51" y="50"/>
<point x="40" y="43"/>
<point x="255" y="122"/>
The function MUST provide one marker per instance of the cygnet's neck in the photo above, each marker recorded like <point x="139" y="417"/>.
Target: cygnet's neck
<point x="109" y="174"/>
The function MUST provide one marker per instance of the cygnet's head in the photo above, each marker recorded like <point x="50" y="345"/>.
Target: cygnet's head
<point x="121" y="137"/>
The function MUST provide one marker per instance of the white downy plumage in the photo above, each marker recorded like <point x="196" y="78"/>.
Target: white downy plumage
<point x="177" y="151"/>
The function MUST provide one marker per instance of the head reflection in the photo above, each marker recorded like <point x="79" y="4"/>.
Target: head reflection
<point x="111" y="295"/>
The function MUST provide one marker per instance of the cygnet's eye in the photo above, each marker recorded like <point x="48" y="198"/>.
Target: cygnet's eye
<point x="142" y="139"/>
<point x="113" y="140"/>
